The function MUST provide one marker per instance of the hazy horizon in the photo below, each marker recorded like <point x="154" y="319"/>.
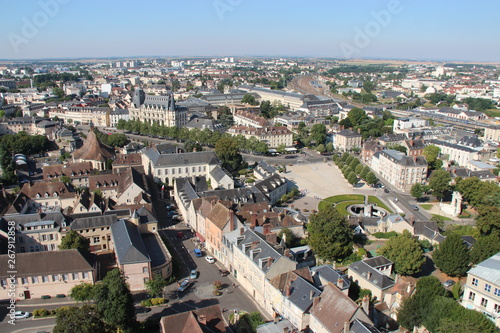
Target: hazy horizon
<point x="382" y="30"/>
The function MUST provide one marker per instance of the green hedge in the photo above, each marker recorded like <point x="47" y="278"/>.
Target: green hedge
<point x="385" y="235"/>
<point x="153" y="301"/>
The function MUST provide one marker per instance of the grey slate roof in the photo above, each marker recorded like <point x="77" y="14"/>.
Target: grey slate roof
<point x="154" y="250"/>
<point x="488" y="270"/>
<point x="328" y="273"/>
<point x="451" y="145"/>
<point x="129" y="247"/>
<point x="27" y="219"/>
<point x="378" y="261"/>
<point x="261" y="249"/>
<point x="377" y="278"/>
<point x="145" y="216"/>
<point x="93" y="222"/>
<point x="302" y="293"/>
<point x="237" y="195"/>
<point x="358" y="326"/>
<point x="182" y="159"/>
<point x="218" y="173"/>
<point x="400" y="158"/>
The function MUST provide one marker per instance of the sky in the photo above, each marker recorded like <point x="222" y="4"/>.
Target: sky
<point x="389" y="29"/>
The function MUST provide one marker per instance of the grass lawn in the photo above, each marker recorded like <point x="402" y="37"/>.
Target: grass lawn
<point x="342" y="206"/>
<point x="339" y="198"/>
<point x="426" y="206"/>
<point x="375" y="200"/>
<point x="444" y="218"/>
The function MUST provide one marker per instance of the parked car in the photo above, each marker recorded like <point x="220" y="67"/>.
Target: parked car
<point x="171" y="213"/>
<point x="193" y="275"/>
<point x="184" y="285"/>
<point x="386" y="190"/>
<point x="21" y="315"/>
<point x="448" y="283"/>
<point x="210" y="259"/>
<point x="223" y="272"/>
<point x="141" y="309"/>
<point x="414" y="207"/>
<point x="198" y="253"/>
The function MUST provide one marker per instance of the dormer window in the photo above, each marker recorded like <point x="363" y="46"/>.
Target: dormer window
<point x="49" y="176"/>
<point x="98" y="185"/>
<point x="46" y="194"/>
<point x="79" y="173"/>
<point x="55" y="194"/>
<point x="38" y="195"/>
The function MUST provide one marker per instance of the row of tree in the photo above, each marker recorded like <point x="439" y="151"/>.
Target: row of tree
<point x="204" y="137"/>
<point x="351" y="168"/>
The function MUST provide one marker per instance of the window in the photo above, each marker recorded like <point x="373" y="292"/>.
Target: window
<point x="24" y="280"/>
<point x="146" y="280"/>
<point x="20" y="240"/>
<point x="45" y="278"/>
<point x="55" y="278"/>
<point x="145" y="269"/>
<point x="65" y="277"/>
<point x="85" y="275"/>
<point x="474" y="282"/>
<point x="34" y="279"/>
<point x="96" y="239"/>
<point x="22" y="249"/>
<point x="487" y="287"/>
<point x="484" y="302"/>
<point x="497" y="292"/>
<point x="496" y="308"/>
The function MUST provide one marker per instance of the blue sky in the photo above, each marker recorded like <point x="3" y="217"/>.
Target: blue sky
<point x="421" y="30"/>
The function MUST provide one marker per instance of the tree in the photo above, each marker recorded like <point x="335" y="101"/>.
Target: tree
<point x="318" y="133"/>
<point x="364" y="172"/>
<point x="406" y="253"/>
<point x="79" y="319"/>
<point x="114" y="301"/>
<point x="351" y="178"/>
<point x="330" y="235"/>
<point x="371" y="178"/>
<point x="288" y="235"/>
<point x="358" y="169"/>
<point x="155" y="286"/>
<point x="488" y="220"/>
<point x="400" y="148"/>
<point x="431" y="153"/>
<point x="73" y="240"/>
<point x="417" y="191"/>
<point x="439" y="182"/>
<point x="82" y="292"/>
<point x="320" y="148"/>
<point x="249" y="99"/>
<point x="483" y="248"/>
<point x="118" y="140"/>
<point x="229" y="153"/>
<point x="281" y="148"/>
<point x="452" y="256"/>
<point x="329" y="147"/>
<point x="190" y="146"/>
<point x="356" y="116"/>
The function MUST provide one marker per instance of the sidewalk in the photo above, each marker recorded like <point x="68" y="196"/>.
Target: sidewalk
<point x="37" y="302"/>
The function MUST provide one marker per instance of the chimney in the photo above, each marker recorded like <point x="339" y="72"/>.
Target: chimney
<point x="340" y="283"/>
<point x="231" y="220"/>
<point x="253" y="220"/>
<point x="316" y="301"/>
<point x="346" y="326"/>
<point x="365" y="303"/>
<point x="242" y="230"/>
<point x="369" y="275"/>
<point x="288" y="291"/>
<point x="202" y="319"/>
<point x="408" y="288"/>
<point x="267" y="228"/>
<point x="311" y="294"/>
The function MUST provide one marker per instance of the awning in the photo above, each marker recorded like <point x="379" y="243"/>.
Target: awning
<point x="200" y="237"/>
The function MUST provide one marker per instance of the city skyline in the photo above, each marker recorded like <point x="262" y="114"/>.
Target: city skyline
<point x="406" y="30"/>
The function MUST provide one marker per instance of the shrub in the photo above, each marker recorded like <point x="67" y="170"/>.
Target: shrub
<point x="41" y="313"/>
<point x="157" y="301"/>
<point x="147" y="302"/>
<point x="61" y="309"/>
